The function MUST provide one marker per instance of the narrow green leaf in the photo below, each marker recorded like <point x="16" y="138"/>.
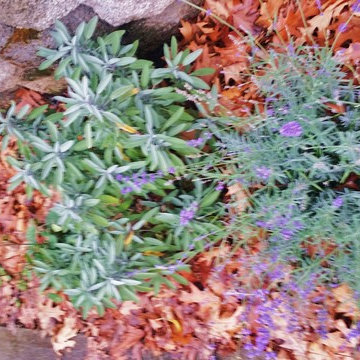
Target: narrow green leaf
<point x="90" y="27"/>
<point x="88" y="135"/>
<point x="174" y="46"/>
<point x="192" y="57"/>
<point x="203" y="72"/>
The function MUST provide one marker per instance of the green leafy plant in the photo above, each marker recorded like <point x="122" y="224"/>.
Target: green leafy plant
<point x="129" y="215"/>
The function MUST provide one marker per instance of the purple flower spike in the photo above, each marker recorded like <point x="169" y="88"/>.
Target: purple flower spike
<point x="186" y="215"/>
<point x="287" y="233"/>
<point x="220" y="186"/>
<point x="291" y="129"/>
<point x="126" y="190"/>
<point x="195" y="142"/>
<point x="263" y="172"/>
<point x="356" y="6"/>
<point x="291" y="49"/>
<point x="337" y="202"/>
<point x="318" y="5"/>
<point x="342" y="27"/>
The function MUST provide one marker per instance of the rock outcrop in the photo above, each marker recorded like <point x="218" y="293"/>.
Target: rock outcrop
<point x="26" y="24"/>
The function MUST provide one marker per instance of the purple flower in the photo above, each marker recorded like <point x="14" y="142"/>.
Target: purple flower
<point x="322" y="316"/>
<point x="152" y="178"/>
<point x="126" y="190"/>
<point x="208" y="12"/>
<point x="355" y="6"/>
<point x="171" y="170"/>
<point x="195" y="142"/>
<point x="220" y="186"/>
<point x="270" y="98"/>
<point x="276" y="274"/>
<point x="186" y="215"/>
<point x="263" y="172"/>
<point x="262" y="224"/>
<point x="271" y="355"/>
<point x="342" y="27"/>
<point x="270" y="112"/>
<point x="318" y="5"/>
<point x="291" y="129"/>
<point x="138" y="180"/>
<point x="291" y="49"/>
<point x="287" y="233"/>
<point x="297" y="225"/>
<point x="337" y="202"/>
<point x="259" y="268"/>
<point x="354" y="333"/>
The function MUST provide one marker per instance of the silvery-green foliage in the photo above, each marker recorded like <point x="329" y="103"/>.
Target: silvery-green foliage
<point x="115" y="157"/>
<point x="299" y="161"/>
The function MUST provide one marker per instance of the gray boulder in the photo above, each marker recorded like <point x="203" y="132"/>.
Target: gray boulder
<point x="26" y="24"/>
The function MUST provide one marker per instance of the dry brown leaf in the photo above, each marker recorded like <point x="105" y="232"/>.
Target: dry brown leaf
<point x="322" y="21"/>
<point x="317" y="352"/>
<point x="268" y="11"/>
<point x="351" y="54"/>
<point x="241" y="196"/>
<point x="244" y="16"/>
<point x="292" y="341"/>
<point x="127" y="307"/>
<point x="224" y="327"/>
<point x="28" y="97"/>
<point x="49" y="312"/>
<point x="342" y="293"/>
<point x="283" y="355"/>
<point x="347" y="305"/>
<point x="62" y="339"/>
<point x="214" y="253"/>
<point x="186" y="30"/>
<point x="333" y="340"/>
<point x="207" y="301"/>
<point x="12" y="258"/>
<point x="219" y="8"/>
<point x="129" y="338"/>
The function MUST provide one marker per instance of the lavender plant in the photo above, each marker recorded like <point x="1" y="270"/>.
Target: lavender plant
<point x="295" y="161"/>
<point x="129" y="215"/>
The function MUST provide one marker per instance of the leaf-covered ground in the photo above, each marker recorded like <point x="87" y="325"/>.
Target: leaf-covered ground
<point x="229" y="306"/>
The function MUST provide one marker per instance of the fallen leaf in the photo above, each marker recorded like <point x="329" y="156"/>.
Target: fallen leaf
<point x="241" y="196"/>
<point x="48" y="312"/>
<point x="224" y="327"/>
<point x="317" y="352"/>
<point x="62" y="339"/>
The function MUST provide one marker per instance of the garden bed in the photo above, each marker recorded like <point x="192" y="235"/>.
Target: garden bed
<point x="185" y="210"/>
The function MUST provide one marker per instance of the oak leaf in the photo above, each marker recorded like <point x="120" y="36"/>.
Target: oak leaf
<point x="62" y="339"/>
<point x="241" y="196"/>
<point x="206" y="299"/>
<point x="224" y="327"/>
<point x="49" y="312"/>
